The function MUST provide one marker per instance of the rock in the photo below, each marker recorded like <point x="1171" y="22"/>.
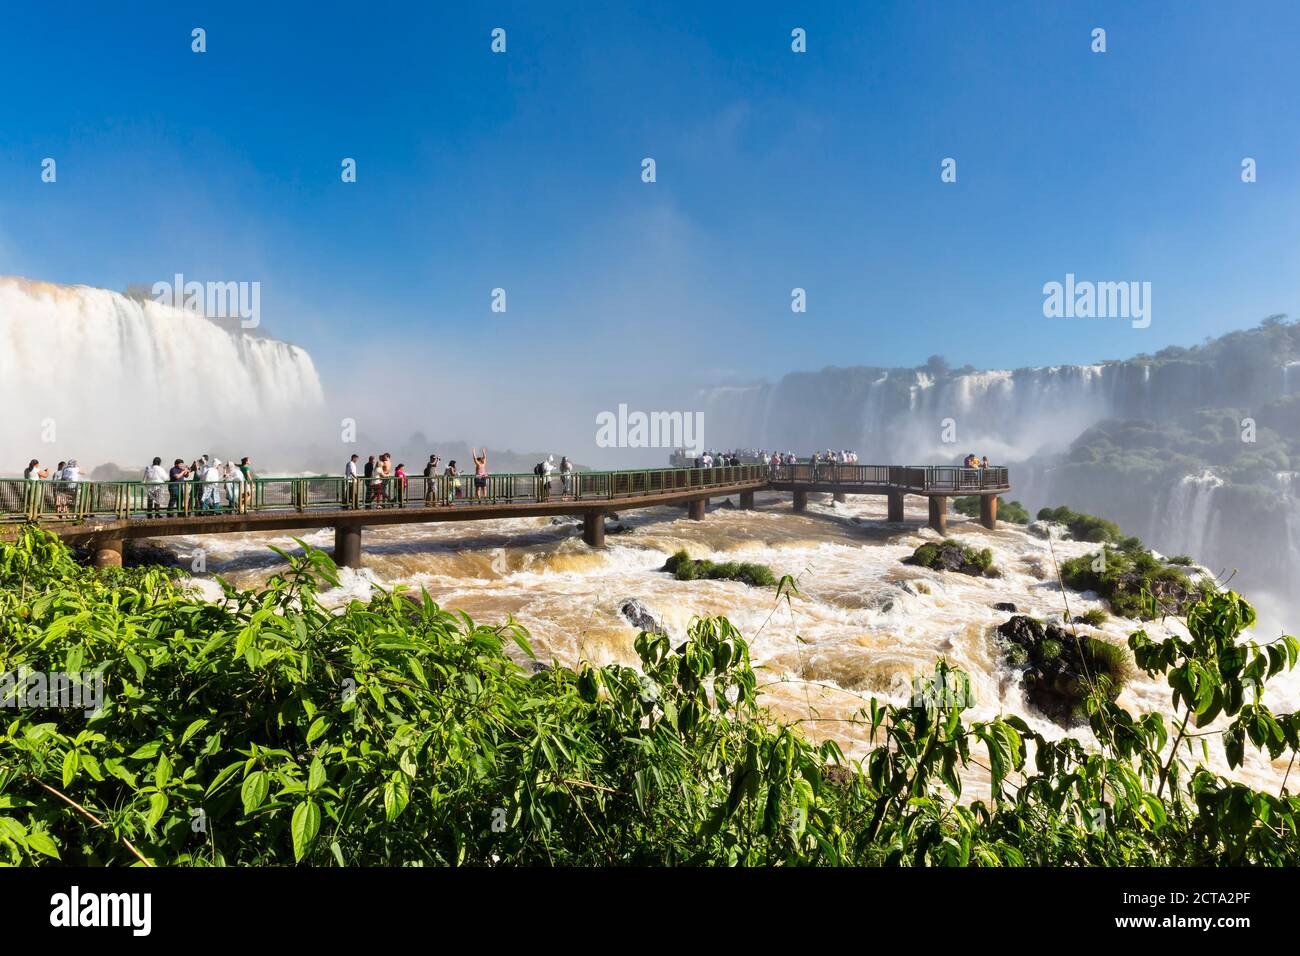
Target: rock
<point x="1055" y="667"/>
<point x="950" y="555"/>
<point x="726" y="503"/>
<point x="635" y="611"/>
<point x="1005" y="606"/>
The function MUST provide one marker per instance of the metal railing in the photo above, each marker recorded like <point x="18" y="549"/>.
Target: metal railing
<point x="76" y="501"/>
<point x="917" y="478"/>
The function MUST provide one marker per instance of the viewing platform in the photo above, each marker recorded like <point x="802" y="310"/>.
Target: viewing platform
<point x="102" y="515"/>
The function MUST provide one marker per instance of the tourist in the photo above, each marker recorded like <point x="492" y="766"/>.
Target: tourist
<point x="234" y="479"/>
<point x="401" y="483"/>
<point x="985" y="464"/>
<point x="430" y="473"/>
<point x="480" y="473"/>
<point x="566" y="474"/>
<point x="351" y="486"/>
<point x="69" y="475"/>
<point x="155" y="477"/>
<point x="384" y="470"/>
<point x="245" y="483"/>
<point x="33" y="474"/>
<point x="210" y="496"/>
<point x="453" y="474"/>
<point x="175" y="475"/>
<point x="371" y="485"/>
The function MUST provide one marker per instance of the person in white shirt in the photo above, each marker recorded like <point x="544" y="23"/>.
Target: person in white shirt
<point x="155" y="477"/>
<point x="351" y="487"/>
<point x="211" y="500"/>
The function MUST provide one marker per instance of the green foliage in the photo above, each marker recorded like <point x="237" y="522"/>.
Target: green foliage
<point x="1013" y="511"/>
<point x="1095" y="617"/>
<point x="394" y="732"/>
<point x="1083" y="527"/>
<point x="952" y="555"/>
<point x="1132" y="581"/>
<point x="685" y="569"/>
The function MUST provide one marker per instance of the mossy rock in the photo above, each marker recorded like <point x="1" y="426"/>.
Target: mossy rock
<point x="682" y="566"/>
<point x="951" y="555"/>
<point x="1059" y="669"/>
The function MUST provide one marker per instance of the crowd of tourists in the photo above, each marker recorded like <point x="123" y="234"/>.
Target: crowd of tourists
<point x="207" y="485"/>
<point x="378" y="483"/>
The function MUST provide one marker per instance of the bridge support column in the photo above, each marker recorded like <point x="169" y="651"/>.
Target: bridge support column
<point x="347" y="546"/>
<point x="746" y="501"/>
<point x="593" y="528"/>
<point x="840" y="497"/>
<point x="989" y="511"/>
<point x="939" y="513"/>
<point x="108" y="553"/>
<point x="896" y="506"/>
<point x="801" y="501"/>
<point x="696" y="511"/>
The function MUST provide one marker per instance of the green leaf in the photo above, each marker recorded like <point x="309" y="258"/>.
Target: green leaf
<point x="157" y="807"/>
<point x="315" y="774"/>
<point x="318" y="727"/>
<point x="69" y="767"/>
<point x="193" y="729"/>
<point x="304" y="827"/>
<point x="256" y="786"/>
<point x="41" y="843"/>
<point x="395" y="797"/>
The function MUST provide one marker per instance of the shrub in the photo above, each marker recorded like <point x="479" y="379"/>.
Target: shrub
<point x="684" y="568"/>
<point x="1134" y="584"/>
<point x="1013" y="511"/>
<point x="393" y="732"/>
<point x="1083" y="527"/>
<point x="1096" y="617"/>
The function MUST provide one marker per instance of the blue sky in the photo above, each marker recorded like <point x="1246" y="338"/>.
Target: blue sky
<point x="775" y="170"/>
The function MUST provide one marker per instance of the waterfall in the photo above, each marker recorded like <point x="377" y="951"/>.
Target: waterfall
<point x="1188" y="521"/>
<point x="90" y="374"/>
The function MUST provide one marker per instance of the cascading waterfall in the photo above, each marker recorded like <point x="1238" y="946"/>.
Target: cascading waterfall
<point x="1186" y="524"/>
<point x="101" y="377"/>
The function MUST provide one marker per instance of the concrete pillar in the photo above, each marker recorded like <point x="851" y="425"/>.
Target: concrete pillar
<point x="696" y="512"/>
<point x="108" y="553"/>
<point x="989" y="511"/>
<point x="939" y="513"/>
<point x="347" y="546"/>
<point x="801" y="501"/>
<point x="746" y="501"/>
<point x="896" y="506"/>
<point x="593" y="528"/>
<point x="840" y="497"/>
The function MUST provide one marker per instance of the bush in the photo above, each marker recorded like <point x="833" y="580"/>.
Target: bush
<point x="684" y="568"/>
<point x="1095" y="617"/>
<point x="1083" y="527"/>
<point x="1134" y="584"/>
<point x="1013" y="511"/>
<point x="393" y="732"/>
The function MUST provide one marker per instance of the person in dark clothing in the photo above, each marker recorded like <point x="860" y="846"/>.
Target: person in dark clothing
<point x="175" y="476"/>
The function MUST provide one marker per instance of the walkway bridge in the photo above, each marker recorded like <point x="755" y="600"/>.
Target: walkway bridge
<point x="101" y="515"/>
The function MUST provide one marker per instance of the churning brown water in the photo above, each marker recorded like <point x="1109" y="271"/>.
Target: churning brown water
<point x="863" y="625"/>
